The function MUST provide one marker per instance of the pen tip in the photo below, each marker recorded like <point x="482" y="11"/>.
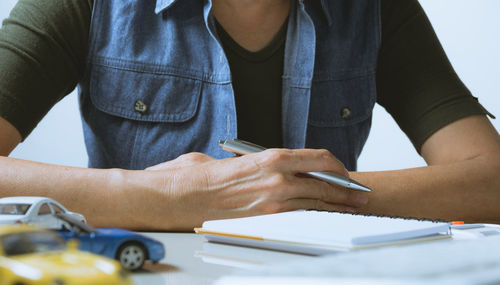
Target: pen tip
<point x="358" y="186"/>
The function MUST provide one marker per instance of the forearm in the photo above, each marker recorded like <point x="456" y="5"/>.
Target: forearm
<point x="103" y="196"/>
<point x="468" y="190"/>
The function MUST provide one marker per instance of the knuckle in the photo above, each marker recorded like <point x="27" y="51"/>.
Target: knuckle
<point x="273" y="156"/>
<point x="332" y="162"/>
<point x="184" y="156"/>
<point x="193" y="156"/>
<point x="326" y="153"/>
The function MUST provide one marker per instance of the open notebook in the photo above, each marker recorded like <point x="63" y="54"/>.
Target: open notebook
<point x="317" y="233"/>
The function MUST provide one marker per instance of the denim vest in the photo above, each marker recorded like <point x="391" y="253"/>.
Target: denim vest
<point x="157" y="83"/>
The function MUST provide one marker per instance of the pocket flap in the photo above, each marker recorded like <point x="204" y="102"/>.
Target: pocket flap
<point x="144" y="96"/>
<point x="343" y="101"/>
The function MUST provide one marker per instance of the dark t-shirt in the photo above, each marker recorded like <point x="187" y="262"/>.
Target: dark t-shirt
<point x="256" y="78"/>
<point x="43" y="45"/>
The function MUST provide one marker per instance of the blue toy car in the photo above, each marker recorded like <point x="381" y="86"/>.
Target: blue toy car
<point x="129" y="248"/>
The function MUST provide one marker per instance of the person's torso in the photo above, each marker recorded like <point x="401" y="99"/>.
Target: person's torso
<point x="158" y="84"/>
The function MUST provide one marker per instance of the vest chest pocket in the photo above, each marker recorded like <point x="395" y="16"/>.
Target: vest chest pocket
<point x="144" y="97"/>
<point x="134" y="119"/>
<point x="340" y="115"/>
<point x="342" y="100"/>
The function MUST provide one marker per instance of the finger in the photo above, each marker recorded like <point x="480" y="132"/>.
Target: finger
<point x="310" y="188"/>
<point x="299" y="160"/>
<point x="311" y="204"/>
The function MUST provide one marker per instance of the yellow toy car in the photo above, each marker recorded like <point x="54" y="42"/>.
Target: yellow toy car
<point x="29" y="255"/>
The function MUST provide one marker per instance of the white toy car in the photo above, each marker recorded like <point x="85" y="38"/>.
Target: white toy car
<point x="33" y="210"/>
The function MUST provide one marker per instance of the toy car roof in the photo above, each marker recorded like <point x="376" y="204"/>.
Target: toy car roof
<point x="24" y="199"/>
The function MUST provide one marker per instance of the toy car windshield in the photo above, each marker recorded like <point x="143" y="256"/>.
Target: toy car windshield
<point x="31" y="242"/>
<point x="14" y="209"/>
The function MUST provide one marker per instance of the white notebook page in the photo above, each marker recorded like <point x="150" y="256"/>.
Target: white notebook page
<point x="326" y="228"/>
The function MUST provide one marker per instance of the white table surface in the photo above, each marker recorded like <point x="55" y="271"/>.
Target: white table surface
<point x="190" y="259"/>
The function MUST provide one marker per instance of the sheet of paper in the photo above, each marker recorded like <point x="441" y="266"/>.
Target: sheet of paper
<point x="473" y="261"/>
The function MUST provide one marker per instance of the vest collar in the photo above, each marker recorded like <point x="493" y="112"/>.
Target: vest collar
<point x="162" y="5"/>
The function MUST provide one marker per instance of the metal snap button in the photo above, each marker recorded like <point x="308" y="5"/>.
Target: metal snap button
<point x="140" y="106"/>
<point x="345" y="113"/>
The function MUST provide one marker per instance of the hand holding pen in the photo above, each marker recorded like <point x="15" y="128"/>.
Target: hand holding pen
<point x="241" y="147"/>
<point x="196" y="187"/>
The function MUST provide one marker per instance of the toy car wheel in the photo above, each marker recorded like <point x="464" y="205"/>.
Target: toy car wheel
<point x="131" y="256"/>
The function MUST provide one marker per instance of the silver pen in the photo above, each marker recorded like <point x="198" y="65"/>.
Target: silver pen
<point x="241" y="147"/>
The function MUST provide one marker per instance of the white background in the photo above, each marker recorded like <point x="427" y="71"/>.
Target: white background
<point x="468" y="30"/>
